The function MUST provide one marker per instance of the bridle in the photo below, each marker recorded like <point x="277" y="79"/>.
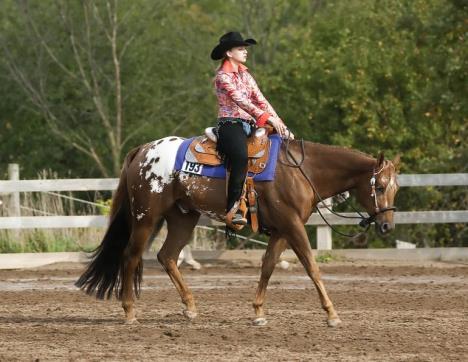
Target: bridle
<point x="365" y="221"/>
<point x="369" y="220"/>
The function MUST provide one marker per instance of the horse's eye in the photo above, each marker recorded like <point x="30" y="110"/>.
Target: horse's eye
<point x="380" y="189"/>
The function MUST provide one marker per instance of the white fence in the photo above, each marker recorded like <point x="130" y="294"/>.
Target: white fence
<point x="13" y="187"/>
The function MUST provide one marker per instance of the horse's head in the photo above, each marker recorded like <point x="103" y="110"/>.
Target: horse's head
<point x="377" y="194"/>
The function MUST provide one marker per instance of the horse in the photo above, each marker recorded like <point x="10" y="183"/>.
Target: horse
<point x="151" y="192"/>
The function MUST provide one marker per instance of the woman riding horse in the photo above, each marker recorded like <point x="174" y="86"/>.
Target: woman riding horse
<point x="242" y="107"/>
<point x="151" y="192"/>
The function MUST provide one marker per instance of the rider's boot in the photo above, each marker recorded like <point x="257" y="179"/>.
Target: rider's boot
<point x="237" y="215"/>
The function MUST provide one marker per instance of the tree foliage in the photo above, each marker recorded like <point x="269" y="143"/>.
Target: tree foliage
<point x="83" y="82"/>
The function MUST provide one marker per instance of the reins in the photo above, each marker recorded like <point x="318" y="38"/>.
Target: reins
<point x="365" y="221"/>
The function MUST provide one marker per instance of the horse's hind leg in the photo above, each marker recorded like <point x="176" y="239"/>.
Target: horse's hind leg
<point x="274" y="249"/>
<point x="142" y="231"/>
<point x="179" y="229"/>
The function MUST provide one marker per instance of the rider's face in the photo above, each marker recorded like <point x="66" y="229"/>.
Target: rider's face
<point x="238" y="54"/>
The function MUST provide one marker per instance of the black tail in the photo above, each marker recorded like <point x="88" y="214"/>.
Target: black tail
<point x="104" y="273"/>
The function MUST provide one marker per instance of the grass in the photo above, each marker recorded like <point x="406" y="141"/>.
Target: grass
<point x="324" y="258"/>
<point x="44" y="240"/>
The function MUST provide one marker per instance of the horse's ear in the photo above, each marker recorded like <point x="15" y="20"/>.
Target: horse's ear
<point x="396" y="163"/>
<point x="380" y="160"/>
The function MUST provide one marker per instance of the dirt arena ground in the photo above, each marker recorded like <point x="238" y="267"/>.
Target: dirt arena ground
<point x="390" y="313"/>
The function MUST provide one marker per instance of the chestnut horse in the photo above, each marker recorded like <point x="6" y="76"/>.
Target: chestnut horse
<point x="151" y="192"/>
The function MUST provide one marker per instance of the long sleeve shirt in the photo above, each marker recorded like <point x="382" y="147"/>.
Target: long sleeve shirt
<point x="239" y="96"/>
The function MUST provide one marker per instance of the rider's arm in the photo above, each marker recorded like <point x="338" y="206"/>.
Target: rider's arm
<point x="259" y="99"/>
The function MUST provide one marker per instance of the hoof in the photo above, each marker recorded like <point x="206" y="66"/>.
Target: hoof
<point x="194" y="264"/>
<point x="260" y="322"/>
<point x="131" y="321"/>
<point x="190" y="315"/>
<point x="334" y="322"/>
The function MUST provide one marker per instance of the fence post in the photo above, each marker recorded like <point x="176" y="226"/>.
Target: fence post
<point x="324" y="233"/>
<point x="14" y="201"/>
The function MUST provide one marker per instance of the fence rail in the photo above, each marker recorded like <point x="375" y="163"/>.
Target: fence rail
<point x="434" y="179"/>
<point x="99" y="221"/>
<point x="11" y="189"/>
<point x="99" y="184"/>
<point x="78" y="184"/>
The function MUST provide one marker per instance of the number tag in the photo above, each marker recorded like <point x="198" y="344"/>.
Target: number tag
<point x="192" y="167"/>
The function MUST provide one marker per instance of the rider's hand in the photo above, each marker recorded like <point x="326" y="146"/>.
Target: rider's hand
<point x="289" y="135"/>
<point x="278" y="125"/>
<point x="280" y="128"/>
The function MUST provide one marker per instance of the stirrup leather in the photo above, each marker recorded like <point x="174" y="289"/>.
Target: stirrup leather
<point x="236" y="218"/>
<point x="253" y="204"/>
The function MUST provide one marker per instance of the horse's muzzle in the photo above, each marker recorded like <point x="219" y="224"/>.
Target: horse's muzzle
<point x="385" y="227"/>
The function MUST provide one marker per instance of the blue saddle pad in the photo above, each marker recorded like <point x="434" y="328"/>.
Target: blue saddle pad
<point x="268" y="174"/>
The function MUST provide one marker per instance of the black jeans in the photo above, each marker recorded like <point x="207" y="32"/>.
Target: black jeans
<point x="232" y="143"/>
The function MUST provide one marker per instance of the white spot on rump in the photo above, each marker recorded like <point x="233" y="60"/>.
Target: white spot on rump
<point x="159" y="161"/>
<point x="140" y="216"/>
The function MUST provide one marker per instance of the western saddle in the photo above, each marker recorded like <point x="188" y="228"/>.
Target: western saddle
<point x="203" y="150"/>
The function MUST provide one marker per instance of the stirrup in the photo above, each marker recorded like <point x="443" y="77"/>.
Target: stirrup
<point x="235" y="218"/>
<point x="238" y="219"/>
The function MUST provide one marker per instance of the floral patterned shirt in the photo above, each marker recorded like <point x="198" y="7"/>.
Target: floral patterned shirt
<point x="239" y="96"/>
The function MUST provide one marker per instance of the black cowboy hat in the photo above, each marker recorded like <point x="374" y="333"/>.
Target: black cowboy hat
<point x="228" y="41"/>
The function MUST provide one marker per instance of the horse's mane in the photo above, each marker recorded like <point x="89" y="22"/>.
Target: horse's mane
<point x="327" y="156"/>
<point x="341" y="149"/>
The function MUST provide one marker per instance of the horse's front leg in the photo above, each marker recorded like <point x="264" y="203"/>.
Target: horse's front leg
<point x="274" y="249"/>
<point x="299" y="242"/>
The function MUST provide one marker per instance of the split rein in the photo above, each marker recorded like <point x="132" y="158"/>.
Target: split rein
<point x="365" y="221"/>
